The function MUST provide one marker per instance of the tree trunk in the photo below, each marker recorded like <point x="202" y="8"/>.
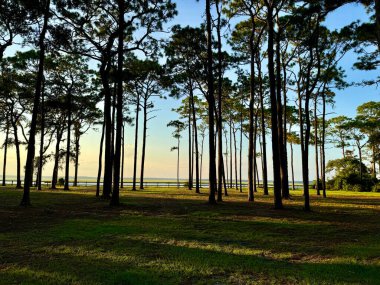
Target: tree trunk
<point x="145" y="107"/>
<point x="254" y="154"/>
<point x="360" y="160"/>
<point x="285" y="135"/>
<point x="5" y="154"/>
<point x="236" y="166"/>
<point x="316" y="147"/>
<point x="25" y="201"/>
<point x="241" y="154"/>
<point x="211" y="105"/>
<point x="323" y="157"/>
<point x="292" y="165"/>
<point x="18" y="158"/>
<point x="200" y="168"/>
<point x="136" y="141"/>
<point x="119" y="117"/>
<point x="107" y="179"/>
<point x="100" y="162"/>
<point x="373" y="161"/>
<point x="224" y="178"/>
<point x="197" y="182"/>
<point x="178" y="164"/>
<point x="68" y="143"/>
<point x="221" y="172"/>
<point x="251" y="182"/>
<point x="281" y="145"/>
<point x="76" y="163"/>
<point x="231" y="168"/>
<point x="113" y="120"/>
<point x="258" y="177"/>
<point x="192" y="155"/>
<point x="40" y="162"/>
<point x="262" y="118"/>
<point x="122" y="159"/>
<point x="54" y="179"/>
<point x="274" y="115"/>
<point x="190" y="152"/>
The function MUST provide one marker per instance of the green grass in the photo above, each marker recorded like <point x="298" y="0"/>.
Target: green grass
<point x="170" y="236"/>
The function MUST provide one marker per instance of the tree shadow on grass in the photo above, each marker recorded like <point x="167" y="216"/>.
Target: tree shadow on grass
<point x="147" y="262"/>
<point x="288" y="245"/>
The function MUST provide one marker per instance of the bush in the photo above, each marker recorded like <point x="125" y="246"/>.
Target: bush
<point x="330" y="184"/>
<point x="354" y="187"/>
<point x="376" y="188"/>
<point x="352" y="183"/>
<point x="61" y="181"/>
<point x="314" y="184"/>
<point x="347" y="176"/>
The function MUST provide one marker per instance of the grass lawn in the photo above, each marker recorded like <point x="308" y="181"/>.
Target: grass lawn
<point x="170" y="236"/>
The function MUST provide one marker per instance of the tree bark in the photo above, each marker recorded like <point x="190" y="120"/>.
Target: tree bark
<point x="231" y="153"/>
<point x="107" y="179"/>
<point x="76" y="163"/>
<point x="201" y="164"/>
<point x="281" y="145"/>
<point x="254" y="153"/>
<point x="225" y="170"/>
<point x="316" y="147"/>
<point x="360" y="160"/>
<point x="40" y="163"/>
<point x="5" y="153"/>
<point x="285" y="131"/>
<point x="274" y="115"/>
<point x="122" y="158"/>
<point x="241" y="154"/>
<point x="190" y="180"/>
<point x="145" y="107"/>
<point x="136" y="142"/>
<point x="18" y="158"/>
<point x="25" y="201"/>
<point x="100" y="162"/>
<point x="323" y="157"/>
<point x="197" y="181"/>
<point x="54" y="179"/>
<point x="251" y="182"/>
<point x="178" y="163"/>
<point x="211" y="106"/>
<point x="220" y="106"/>
<point x="68" y="143"/>
<point x="263" y="134"/>
<point x="115" y="199"/>
<point x="373" y="161"/>
<point x="236" y="164"/>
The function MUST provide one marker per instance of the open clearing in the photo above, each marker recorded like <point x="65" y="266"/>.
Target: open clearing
<point x="170" y="236"/>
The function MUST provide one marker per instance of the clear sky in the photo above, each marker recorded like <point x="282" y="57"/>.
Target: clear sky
<point x="161" y="163"/>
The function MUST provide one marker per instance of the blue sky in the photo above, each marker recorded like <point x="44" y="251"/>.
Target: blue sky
<point x="160" y="162"/>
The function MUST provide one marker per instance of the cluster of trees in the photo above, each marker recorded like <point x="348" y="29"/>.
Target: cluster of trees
<point x="287" y="67"/>
<point x="285" y="61"/>
<point x="359" y="140"/>
<point x="63" y="95"/>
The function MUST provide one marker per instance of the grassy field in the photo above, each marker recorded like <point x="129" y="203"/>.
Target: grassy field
<point x="170" y="236"/>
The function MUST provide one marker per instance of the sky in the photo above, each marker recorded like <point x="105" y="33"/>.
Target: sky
<point x="161" y="162"/>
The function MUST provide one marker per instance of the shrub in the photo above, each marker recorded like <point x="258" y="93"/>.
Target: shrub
<point x="376" y="188"/>
<point x="347" y="176"/>
<point x="330" y="184"/>
<point x="61" y="181"/>
<point x="314" y="184"/>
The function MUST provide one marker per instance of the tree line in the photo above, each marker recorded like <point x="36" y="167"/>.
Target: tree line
<point x="285" y="63"/>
